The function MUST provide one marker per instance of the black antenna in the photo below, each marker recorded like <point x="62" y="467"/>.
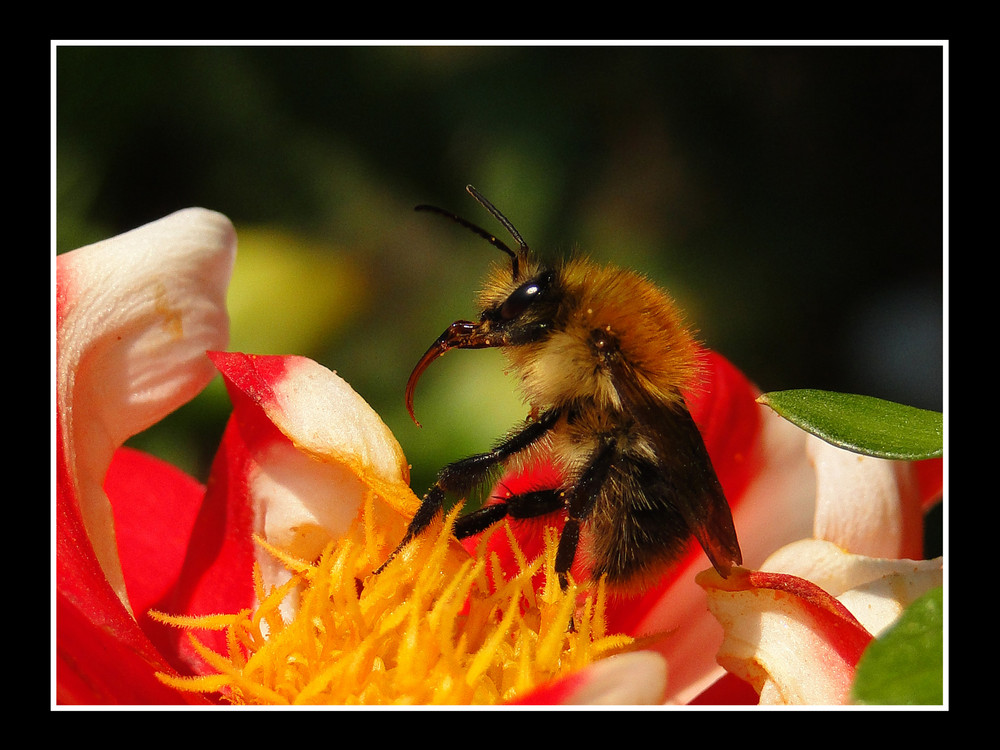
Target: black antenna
<point x="499" y="217"/>
<point x="491" y="238"/>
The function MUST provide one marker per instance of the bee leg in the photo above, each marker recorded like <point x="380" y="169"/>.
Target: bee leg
<point x="430" y="506"/>
<point x="479" y="520"/>
<point x="580" y="503"/>
<point x="465" y="474"/>
<point x="528" y="505"/>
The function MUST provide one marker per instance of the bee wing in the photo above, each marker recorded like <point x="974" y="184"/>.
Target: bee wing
<point x="685" y="463"/>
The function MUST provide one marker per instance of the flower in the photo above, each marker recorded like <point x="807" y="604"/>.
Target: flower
<point x="303" y="458"/>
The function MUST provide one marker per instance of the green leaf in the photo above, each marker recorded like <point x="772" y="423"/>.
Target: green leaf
<point x="905" y="666"/>
<point x="862" y="424"/>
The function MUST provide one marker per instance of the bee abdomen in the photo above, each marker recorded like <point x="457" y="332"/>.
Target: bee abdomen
<point x="635" y="532"/>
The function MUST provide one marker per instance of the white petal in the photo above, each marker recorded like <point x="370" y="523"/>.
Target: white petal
<point x="308" y="492"/>
<point x="630" y="679"/>
<point x="864" y="504"/>
<point x="779" y="505"/>
<point x="320" y="412"/>
<point x="135" y="315"/>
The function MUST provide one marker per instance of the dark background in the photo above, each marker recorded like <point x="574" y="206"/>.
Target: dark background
<point x="791" y="198"/>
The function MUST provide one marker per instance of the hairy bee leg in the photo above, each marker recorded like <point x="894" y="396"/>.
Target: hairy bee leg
<point x="462" y="475"/>
<point x="580" y="504"/>
<point x="568" y="542"/>
<point x="528" y="505"/>
<point x="430" y="506"/>
<point x="479" y="520"/>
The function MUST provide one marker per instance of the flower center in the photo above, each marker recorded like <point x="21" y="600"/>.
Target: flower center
<point x="431" y="628"/>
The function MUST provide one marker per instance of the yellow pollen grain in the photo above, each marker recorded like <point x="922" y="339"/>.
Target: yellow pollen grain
<point x="434" y="627"/>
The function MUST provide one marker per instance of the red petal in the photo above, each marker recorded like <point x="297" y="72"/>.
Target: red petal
<point x="155" y="505"/>
<point x="726" y="412"/>
<point x="554" y="693"/>
<point x="841" y="629"/>
<point x="249" y="375"/>
<point x="930" y="478"/>
<point x="102" y="656"/>
<point x="530" y="533"/>
<point x="134" y="314"/>
<point x="729" y="690"/>
<point x="635" y="678"/>
<point x="217" y="572"/>
<point x="216" y="577"/>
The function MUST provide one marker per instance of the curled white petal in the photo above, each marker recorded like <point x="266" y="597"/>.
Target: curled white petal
<point x="320" y="412"/>
<point x="308" y="489"/>
<point x="135" y="315"/>
<point x="774" y="646"/>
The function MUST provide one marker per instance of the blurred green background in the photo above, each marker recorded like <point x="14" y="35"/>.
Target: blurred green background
<point x="791" y="198"/>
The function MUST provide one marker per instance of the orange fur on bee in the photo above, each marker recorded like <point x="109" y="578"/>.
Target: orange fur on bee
<point x="645" y="324"/>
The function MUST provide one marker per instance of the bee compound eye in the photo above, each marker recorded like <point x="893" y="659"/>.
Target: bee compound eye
<point x="518" y="301"/>
<point x="522" y="297"/>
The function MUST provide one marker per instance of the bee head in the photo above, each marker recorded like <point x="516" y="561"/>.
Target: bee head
<point x="505" y="319"/>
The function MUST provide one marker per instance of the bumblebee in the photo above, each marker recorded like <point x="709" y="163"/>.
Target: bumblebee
<point x="603" y="357"/>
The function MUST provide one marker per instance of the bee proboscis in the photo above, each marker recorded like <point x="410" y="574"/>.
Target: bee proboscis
<point x="603" y="358"/>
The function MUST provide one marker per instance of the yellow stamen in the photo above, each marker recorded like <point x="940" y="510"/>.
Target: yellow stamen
<point x="431" y="628"/>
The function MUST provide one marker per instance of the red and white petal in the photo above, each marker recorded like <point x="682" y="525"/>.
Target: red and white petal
<point x="134" y="317"/>
<point x="315" y="448"/>
<point x="631" y="679"/>
<point x="875" y="590"/>
<point x="792" y="641"/>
